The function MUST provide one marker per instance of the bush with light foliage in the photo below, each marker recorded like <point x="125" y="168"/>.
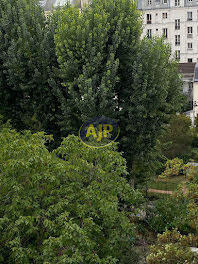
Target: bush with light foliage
<point x="174" y="167"/>
<point x="67" y="206"/>
<point x="172" y="247"/>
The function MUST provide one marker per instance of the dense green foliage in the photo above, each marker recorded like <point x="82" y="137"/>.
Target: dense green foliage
<point x="108" y="70"/>
<point x="168" y="213"/>
<point x="97" y="65"/>
<point x="63" y="207"/>
<point x="180" y="212"/>
<point x="149" y="166"/>
<point x="91" y="46"/>
<point x="180" y="135"/>
<point x="180" y="139"/>
<point x="74" y="205"/>
<point x="28" y="79"/>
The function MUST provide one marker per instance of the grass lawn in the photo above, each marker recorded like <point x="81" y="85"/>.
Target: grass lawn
<point x="168" y="185"/>
<point x="153" y="196"/>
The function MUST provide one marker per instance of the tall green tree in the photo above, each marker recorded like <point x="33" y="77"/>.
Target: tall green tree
<point x="87" y="43"/>
<point x="108" y="70"/>
<point x="27" y="66"/>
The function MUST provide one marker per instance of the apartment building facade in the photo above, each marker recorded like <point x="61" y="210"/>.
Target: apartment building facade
<point x="177" y="22"/>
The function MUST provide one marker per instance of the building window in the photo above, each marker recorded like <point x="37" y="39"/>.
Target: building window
<point x="190" y="60"/>
<point x="165" y="1"/>
<point x="177" y="23"/>
<point x="177" y="40"/>
<point x="189" y="16"/>
<point x="190" y="30"/>
<point x="190" y="46"/>
<point x="177" y="2"/>
<point x="177" y="54"/>
<point x="165" y="32"/>
<point x="156" y="29"/>
<point x="190" y="86"/>
<point x="189" y="0"/>
<point x="164" y="15"/>
<point x="149" y="2"/>
<point x="149" y="33"/>
<point x="149" y="18"/>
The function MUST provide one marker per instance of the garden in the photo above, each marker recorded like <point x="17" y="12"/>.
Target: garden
<point x="61" y="201"/>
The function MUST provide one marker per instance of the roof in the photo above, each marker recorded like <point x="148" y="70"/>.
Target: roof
<point x="194" y="249"/>
<point x="187" y="68"/>
<point x="188" y="112"/>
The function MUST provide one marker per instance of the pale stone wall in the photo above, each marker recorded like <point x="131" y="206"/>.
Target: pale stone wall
<point x="173" y="13"/>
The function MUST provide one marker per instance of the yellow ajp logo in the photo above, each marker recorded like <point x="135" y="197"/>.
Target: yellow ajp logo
<point x="99" y="132"/>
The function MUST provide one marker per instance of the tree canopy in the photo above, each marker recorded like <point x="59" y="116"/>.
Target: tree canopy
<point x="108" y="70"/>
<point x="180" y="136"/>
<point x="63" y="207"/>
<point x="59" y="72"/>
<point x="28" y="63"/>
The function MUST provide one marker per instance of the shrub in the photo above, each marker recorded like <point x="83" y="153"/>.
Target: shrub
<point x="173" y="248"/>
<point x="180" y="134"/>
<point x="173" y="168"/>
<point x="167" y="214"/>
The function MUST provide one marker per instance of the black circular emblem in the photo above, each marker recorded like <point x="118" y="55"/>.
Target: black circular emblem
<point x="99" y="131"/>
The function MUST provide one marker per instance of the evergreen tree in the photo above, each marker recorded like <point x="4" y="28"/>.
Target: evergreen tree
<point x="28" y="64"/>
